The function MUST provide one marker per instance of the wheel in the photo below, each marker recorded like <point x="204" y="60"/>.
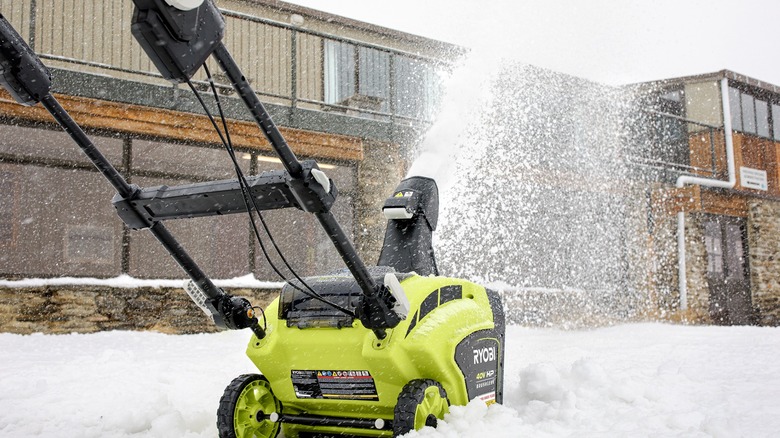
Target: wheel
<point x="244" y="409"/>
<point x="421" y="403"/>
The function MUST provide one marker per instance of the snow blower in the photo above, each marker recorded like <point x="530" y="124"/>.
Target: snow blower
<point x="368" y="351"/>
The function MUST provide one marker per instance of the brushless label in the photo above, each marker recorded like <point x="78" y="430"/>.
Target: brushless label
<point x="334" y="384"/>
<point x="478" y="359"/>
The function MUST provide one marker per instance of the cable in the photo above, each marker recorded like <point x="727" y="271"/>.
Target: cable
<point x="246" y="194"/>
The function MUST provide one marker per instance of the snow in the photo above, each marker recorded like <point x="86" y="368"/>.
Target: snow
<point x="629" y="380"/>
<point x="126" y="281"/>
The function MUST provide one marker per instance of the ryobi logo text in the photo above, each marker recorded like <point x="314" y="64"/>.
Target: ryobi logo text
<point x="482" y="355"/>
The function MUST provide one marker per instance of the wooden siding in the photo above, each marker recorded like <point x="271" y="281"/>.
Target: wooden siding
<point x="173" y="125"/>
<point x="698" y="199"/>
<point x="757" y="153"/>
<point x="701" y="146"/>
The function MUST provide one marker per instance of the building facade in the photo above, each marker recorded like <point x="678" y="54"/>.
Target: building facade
<point x="351" y="95"/>
<point x="708" y="146"/>
<point x="657" y="200"/>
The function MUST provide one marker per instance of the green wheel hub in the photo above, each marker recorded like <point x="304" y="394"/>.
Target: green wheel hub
<point x="432" y="407"/>
<point x="421" y="403"/>
<point x="245" y="407"/>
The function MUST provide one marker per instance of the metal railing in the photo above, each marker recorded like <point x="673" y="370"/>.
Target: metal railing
<point x="662" y="141"/>
<point x="284" y="63"/>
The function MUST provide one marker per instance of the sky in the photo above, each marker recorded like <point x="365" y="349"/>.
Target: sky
<point x="608" y="41"/>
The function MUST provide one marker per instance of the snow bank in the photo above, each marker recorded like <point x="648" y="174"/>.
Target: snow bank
<point x="639" y="380"/>
<point x="126" y="281"/>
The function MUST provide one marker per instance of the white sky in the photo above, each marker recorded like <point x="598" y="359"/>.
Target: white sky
<point x="609" y="41"/>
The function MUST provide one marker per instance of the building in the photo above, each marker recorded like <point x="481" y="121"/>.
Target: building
<point x="708" y="146"/>
<point x="352" y="95"/>
<point x="655" y="200"/>
<point x="573" y="197"/>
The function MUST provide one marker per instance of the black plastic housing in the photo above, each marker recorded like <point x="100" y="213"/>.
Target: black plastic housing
<point x="21" y="72"/>
<point x="408" y="245"/>
<point x="178" y="42"/>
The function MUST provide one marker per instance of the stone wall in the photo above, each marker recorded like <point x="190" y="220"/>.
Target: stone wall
<point x="665" y="277"/>
<point x="87" y="309"/>
<point x="764" y="242"/>
<point x="696" y="270"/>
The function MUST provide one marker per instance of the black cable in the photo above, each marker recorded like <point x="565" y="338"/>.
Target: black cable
<point x="240" y="175"/>
<point x="226" y="141"/>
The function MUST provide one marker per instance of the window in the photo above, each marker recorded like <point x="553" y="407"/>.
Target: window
<point x="339" y="71"/>
<point x="776" y="121"/>
<point x="762" y="118"/>
<point x="415" y="85"/>
<point x="750" y="114"/>
<point x="374" y="76"/>
<point x="735" y="107"/>
<point x="6" y="207"/>
<point x="357" y="77"/>
<point x="671" y="102"/>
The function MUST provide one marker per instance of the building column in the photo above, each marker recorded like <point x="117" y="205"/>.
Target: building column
<point x="379" y="173"/>
<point x="764" y="252"/>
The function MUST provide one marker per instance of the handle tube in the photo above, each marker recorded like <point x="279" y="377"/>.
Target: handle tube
<point x="260" y="114"/>
<point x="126" y="191"/>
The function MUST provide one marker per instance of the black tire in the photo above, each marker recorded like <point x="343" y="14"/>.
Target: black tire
<point x="245" y="397"/>
<point x="421" y="403"/>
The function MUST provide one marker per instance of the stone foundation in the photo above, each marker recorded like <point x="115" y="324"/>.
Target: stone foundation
<point x="764" y="253"/>
<point x="88" y="309"/>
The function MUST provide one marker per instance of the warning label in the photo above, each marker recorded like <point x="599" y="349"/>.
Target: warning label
<point x="334" y="384"/>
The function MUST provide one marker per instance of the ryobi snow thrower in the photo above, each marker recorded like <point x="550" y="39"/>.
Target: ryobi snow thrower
<point x="368" y="351"/>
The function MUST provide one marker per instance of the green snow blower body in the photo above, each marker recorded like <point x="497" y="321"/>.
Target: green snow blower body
<point x="321" y="364"/>
<point x="328" y="374"/>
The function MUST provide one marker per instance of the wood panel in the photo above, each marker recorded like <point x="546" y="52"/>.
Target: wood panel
<point x="701" y="146"/>
<point x="671" y="201"/>
<point x="757" y="153"/>
<point x="174" y="125"/>
<point x="728" y="204"/>
<point x="698" y="199"/>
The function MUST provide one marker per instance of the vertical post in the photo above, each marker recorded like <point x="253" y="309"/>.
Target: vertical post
<point x="391" y="85"/>
<point x="293" y="68"/>
<point x="682" y="280"/>
<point x="253" y="170"/>
<point x="712" y="153"/>
<point x="356" y="58"/>
<point x="33" y="23"/>
<point x="127" y="165"/>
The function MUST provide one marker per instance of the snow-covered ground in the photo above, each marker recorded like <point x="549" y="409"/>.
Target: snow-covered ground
<point x="632" y="380"/>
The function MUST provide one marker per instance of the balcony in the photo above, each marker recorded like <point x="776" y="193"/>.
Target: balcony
<point x="288" y="65"/>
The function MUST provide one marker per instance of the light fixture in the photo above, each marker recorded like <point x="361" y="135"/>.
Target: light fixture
<point x="278" y="161"/>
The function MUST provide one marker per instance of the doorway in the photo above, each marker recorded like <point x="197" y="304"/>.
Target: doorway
<point x="728" y="273"/>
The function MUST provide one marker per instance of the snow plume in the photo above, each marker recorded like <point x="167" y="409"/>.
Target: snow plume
<point x="542" y="198"/>
<point x="466" y="92"/>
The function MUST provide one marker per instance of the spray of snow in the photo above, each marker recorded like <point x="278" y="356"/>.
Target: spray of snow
<point x="466" y="91"/>
<point x="535" y="194"/>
